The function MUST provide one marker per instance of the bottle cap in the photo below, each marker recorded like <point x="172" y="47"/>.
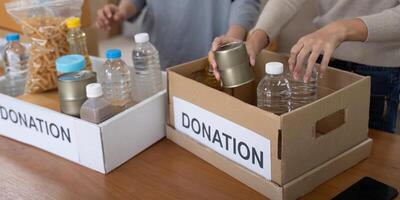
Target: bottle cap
<point x="113" y="53"/>
<point x="73" y="22"/>
<point x="142" y="38"/>
<point x="12" y="37"/>
<point x="70" y="63"/>
<point x="94" y="90"/>
<point x="274" y="68"/>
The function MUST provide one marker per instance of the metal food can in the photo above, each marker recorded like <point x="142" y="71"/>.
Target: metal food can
<point x="234" y="65"/>
<point x="72" y="90"/>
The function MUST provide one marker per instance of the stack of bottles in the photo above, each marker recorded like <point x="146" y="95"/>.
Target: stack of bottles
<point x="80" y="95"/>
<point x="278" y="93"/>
<point x="15" y="58"/>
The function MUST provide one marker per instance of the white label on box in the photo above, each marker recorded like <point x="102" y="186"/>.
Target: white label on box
<point x="231" y="140"/>
<point x="43" y="128"/>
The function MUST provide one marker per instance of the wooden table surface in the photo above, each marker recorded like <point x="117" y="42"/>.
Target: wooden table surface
<point x="164" y="171"/>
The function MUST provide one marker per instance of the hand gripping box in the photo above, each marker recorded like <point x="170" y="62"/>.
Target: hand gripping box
<point x="282" y="157"/>
<point x="101" y="147"/>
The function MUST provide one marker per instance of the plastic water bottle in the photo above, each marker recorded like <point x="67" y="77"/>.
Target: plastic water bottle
<point x="15" y="59"/>
<point x="117" y="81"/>
<point x="2" y="84"/>
<point x="303" y="93"/>
<point x="146" y="68"/>
<point x="273" y="91"/>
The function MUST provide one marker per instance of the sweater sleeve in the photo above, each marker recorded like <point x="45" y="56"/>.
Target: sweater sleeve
<point x="244" y="13"/>
<point x="276" y="14"/>
<point x="383" y="26"/>
<point x="139" y="4"/>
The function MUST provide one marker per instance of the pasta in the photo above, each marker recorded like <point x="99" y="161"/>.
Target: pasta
<point x="48" y="42"/>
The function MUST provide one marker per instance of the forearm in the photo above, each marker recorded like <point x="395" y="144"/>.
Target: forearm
<point x="350" y="29"/>
<point x="276" y="14"/>
<point x="128" y="8"/>
<point x="258" y="40"/>
<point x="236" y="31"/>
<point x="383" y="26"/>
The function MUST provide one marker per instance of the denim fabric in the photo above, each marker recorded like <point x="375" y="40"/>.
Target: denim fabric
<point x="385" y="89"/>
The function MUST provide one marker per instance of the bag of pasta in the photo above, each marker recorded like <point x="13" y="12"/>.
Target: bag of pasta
<point x="43" y="22"/>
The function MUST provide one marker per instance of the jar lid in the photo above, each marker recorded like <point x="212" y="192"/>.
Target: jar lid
<point x="70" y="63"/>
<point x="94" y="90"/>
<point x="274" y="68"/>
<point x="142" y="38"/>
<point x="113" y="54"/>
<point x="12" y="37"/>
<point x="73" y="22"/>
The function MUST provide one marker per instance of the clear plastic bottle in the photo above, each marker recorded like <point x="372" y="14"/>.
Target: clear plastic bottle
<point x="116" y="81"/>
<point x="15" y="57"/>
<point x="146" y="68"/>
<point x="77" y="40"/>
<point x="2" y="84"/>
<point x="96" y="109"/>
<point x="303" y="93"/>
<point x="273" y="91"/>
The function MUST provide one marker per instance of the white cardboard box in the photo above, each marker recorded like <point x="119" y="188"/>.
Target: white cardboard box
<point x="101" y="147"/>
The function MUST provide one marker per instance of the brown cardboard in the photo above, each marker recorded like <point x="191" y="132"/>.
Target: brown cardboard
<point x="298" y="145"/>
<point x="292" y="190"/>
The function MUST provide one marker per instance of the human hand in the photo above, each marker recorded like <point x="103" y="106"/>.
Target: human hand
<point x="110" y="15"/>
<point x="321" y="42"/>
<point x="254" y="44"/>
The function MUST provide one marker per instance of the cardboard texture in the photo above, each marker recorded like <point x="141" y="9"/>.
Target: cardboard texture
<point x="291" y="190"/>
<point x="101" y="147"/>
<point x="301" y="140"/>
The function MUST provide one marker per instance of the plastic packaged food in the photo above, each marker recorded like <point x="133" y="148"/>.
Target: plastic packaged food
<point x="43" y="22"/>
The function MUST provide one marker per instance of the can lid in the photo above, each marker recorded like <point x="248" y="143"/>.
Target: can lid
<point x="70" y="63"/>
<point x="12" y="37"/>
<point x="73" y="22"/>
<point x="113" y="53"/>
<point x="94" y="90"/>
<point x="142" y="37"/>
<point x="274" y="68"/>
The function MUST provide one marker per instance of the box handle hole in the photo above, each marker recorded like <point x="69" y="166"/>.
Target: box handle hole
<point x="330" y="123"/>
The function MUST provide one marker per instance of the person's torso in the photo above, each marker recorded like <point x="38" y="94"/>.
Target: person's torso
<point x="332" y="10"/>
<point x="184" y="30"/>
<point x="384" y="54"/>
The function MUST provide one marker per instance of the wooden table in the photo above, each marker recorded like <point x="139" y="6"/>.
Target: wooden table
<point x="164" y="171"/>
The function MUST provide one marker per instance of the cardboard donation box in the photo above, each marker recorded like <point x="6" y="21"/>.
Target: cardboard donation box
<point x="282" y="157"/>
<point x="101" y="147"/>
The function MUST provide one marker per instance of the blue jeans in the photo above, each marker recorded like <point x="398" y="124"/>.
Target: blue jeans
<point x="385" y="90"/>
